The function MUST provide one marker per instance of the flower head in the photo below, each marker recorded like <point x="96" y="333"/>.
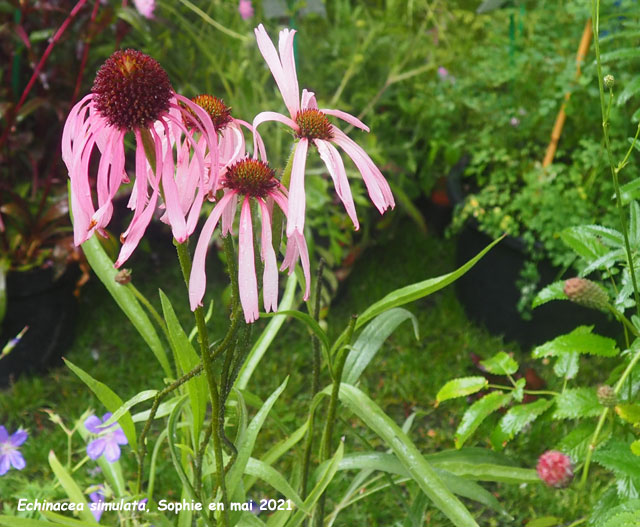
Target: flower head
<point x="312" y="127"/>
<point x="554" y="468"/>
<point x="109" y="438"/>
<point x="133" y="94"/>
<point x="10" y="455"/>
<point x="246" y="181"/>
<point x="245" y="9"/>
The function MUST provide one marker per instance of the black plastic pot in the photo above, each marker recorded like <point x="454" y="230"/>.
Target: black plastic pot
<point x="490" y="295"/>
<point x="49" y="309"/>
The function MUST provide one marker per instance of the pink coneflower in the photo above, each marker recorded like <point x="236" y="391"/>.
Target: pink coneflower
<point x="245" y="180"/>
<point x="311" y="126"/>
<point x="132" y="93"/>
<point x="245" y="9"/>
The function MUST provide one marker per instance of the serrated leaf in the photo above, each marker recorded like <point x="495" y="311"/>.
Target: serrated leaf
<point x="580" y="340"/>
<point x="629" y="412"/>
<point x="567" y="365"/>
<point x="577" y="402"/>
<point x="518" y="391"/>
<point x="605" y="262"/>
<point x="516" y="419"/>
<point x="576" y="442"/>
<point x="631" y="89"/>
<point x="621" y="513"/>
<point x="477" y="413"/>
<point x="554" y="291"/>
<point x="461" y="387"/>
<point x="619" y="54"/>
<point x="635" y="447"/>
<point x="624" y="519"/>
<point x="617" y="457"/>
<point x="500" y="364"/>
<point x="584" y="242"/>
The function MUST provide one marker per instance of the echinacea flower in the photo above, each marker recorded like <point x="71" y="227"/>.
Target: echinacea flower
<point x="109" y="438"/>
<point x="312" y="127"/>
<point x="246" y="181"/>
<point x="245" y="9"/>
<point x="132" y="93"/>
<point x="10" y="455"/>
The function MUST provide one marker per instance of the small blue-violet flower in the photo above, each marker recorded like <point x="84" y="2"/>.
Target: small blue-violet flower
<point x="108" y="440"/>
<point x="10" y="456"/>
<point x="97" y="497"/>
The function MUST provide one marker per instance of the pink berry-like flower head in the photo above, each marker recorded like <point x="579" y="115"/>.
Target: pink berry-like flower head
<point x="554" y="468"/>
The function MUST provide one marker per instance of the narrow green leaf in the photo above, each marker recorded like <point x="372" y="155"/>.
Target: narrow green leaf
<point x="554" y="291"/>
<point x="516" y="418"/>
<point x="103" y="267"/>
<point x="418" y="290"/>
<point x="248" y="439"/>
<point x="71" y="488"/>
<point x="580" y="340"/>
<point x="308" y="321"/>
<point x="16" y="521"/>
<point x="110" y="400"/>
<point x="173" y="449"/>
<point x="130" y="403"/>
<point x="478" y="412"/>
<point x="186" y="359"/>
<point x="500" y="364"/>
<point x="371" y="339"/>
<point x="545" y="521"/>
<point x="461" y="387"/>
<point x="418" y="467"/>
<point x="269" y="474"/>
<point x="59" y="519"/>
<point x="634" y="223"/>
<point x="266" y="337"/>
<point x="577" y="402"/>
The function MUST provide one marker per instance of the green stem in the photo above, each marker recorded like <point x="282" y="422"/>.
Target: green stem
<point x="154" y="313"/>
<point x="203" y="337"/>
<point x="325" y="446"/>
<point x="625" y="321"/>
<point x="614" y="172"/>
<point x="528" y="392"/>
<point x="594" y="439"/>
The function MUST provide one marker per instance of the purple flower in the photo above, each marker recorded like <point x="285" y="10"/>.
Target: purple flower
<point x="97" y="497"/>
<point x="10" y="456"/>
<point x="245" y="9"/>
<point x="108" y="438"/>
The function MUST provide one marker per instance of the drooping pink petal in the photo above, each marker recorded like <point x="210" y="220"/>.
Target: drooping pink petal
<point x="296" y="202"/>
<point x="228" y="216"/>
<point x="285" y="46"/>
<point x="172" y="196"/>
<point x="333" y="161"/>
<point x="376" y="184"/>
<point x="347" y="117"/>
<point x="247" y="280"/>
<point x="282" y="75"/>
<point x="297" y="248"/>
<point x="72" y="125"/>
<point x="263" y="117"/>
<point x="270" y="276"/>
<point x="198" y="278"/>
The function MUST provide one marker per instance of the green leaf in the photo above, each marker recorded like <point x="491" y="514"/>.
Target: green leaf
<point x="576" y="442"/>
<point x="518" y="390"/>
<point x="567" y="365"/>
<point x="585" y="242"/>
<point x="554" y="291"/>
<point x="617" y="457"/>
<point x="619" y="54"/>
<point x="308" y="321"/>
<point x="371" y="339"/>
<point x="59" y="519"/>
<point x="418" y="290"/>
<point x="411" y="458"/>
<point x="266" y="337"/>
<point x="323" y="481"/>
<point x="248" y="439"/>
<point x="16" y="521"/>
<point x="478" y="412"/>
<point x="625" y="514"/>
<point x="580" y="340"/>
<point x="186" y="358"/>
<point x="110" y="400"/>
<point x="629" y="412"/>
<point x="545" y="521"/>
<point x="632" y="88"/>
<point x="103" y="267"/>
<point x="634" y="223"/>
<point x="500" y="364"/>
<point x="461" y="387"/>
<point x="71" y="488"/>
<point x="577" y="402"/>
<point x="516" y="419"/>
<point x="269" y="474"/>
<point x="172" y="441"/>
<point x="635" y="447"/>
<point x="630" y="190"/>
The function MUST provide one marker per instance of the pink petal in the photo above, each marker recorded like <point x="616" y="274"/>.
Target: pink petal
<point x="377" y="185"/>
<point x="247" y="281"/>
<point x="172" y="197"/>
<point x="262" y="117"/>
<point x="297" y="248"/>
<point x="308" y="100"/>
<point x="347" y="117"/>
<point x="296" y="202"/>
<point x="334" y="163"/>
<point x="228" y="216"/>
<point x="285" y="76"/>
<point x="270" y="276"/>
<point x="198" y="278"/>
